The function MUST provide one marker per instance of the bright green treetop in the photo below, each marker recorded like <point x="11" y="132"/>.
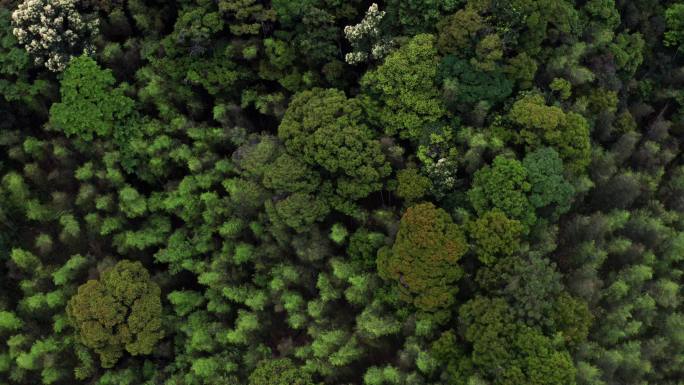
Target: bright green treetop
<point x="90" y="104"/>
<point x="674" y="16"/>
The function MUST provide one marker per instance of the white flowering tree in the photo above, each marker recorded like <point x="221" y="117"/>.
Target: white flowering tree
<point x="53" y="31"/>
<point x="366" y="38"/>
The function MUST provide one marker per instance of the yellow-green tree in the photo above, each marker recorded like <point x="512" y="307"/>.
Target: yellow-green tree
<point x="401" y="94"/>
<point x="543" y="125"/>
<point x="324" y="129"/>
<point x="278" y="372"/>
<point x="412" y="185"/>
<point x="495" y="235"/>
<point x="120" y="311"/>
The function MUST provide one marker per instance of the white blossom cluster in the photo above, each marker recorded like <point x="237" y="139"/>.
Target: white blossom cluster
<point x="365" y="38"/>
<point x="52" y="31"/>
<point x="443" y="176"/>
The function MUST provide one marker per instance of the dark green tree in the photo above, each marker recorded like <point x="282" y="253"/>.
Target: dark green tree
<point x="464" y="85"/>
<point x="549" y="189"/>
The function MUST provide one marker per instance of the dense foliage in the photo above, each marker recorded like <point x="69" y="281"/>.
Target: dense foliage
<point x="300" y="192"/>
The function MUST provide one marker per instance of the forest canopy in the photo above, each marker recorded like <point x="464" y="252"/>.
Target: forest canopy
<point x="325" y="192"/>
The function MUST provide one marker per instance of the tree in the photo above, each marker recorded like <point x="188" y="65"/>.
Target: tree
<point x="531" y="286"/>
<point x="538" y="361"/>
<point x="488" y="52"/>
<point x="288" y="174"/>
<point x="604" y="10"/>
<point x="401" y="94"/>
<point x="261" y="179"/>
<point x="465" y="84"/>
<point x="120" y="311"/>
<point x="628" y="50"/>
<point x="674" y="16"/>
<point x="363" y="246"/>
<point x="280" y="64"/>
<point x="103" y="5"/>
<point x="546" y="125"/>
<point x="510" y="353"/>
<point x="90" y="105"/>
<point x="310" y="26"/>
<point x="562" y="86"/>
<point x="15" y="83"/>
<point x="324" y="129"/>
<point x="448" y="350"/>
<point x="458" y="31"/>
<point x="548" y="186"/>
<point x="298" y="211"/>
<point x="487" y="324"/>
<point x="185" y="301"/>
<point x="281" y="371"/>
<point x="411" y="185"/>
<point x="522" y="68"/>
<point x="366" y="38"/>
<point x="381" y="376"/>
<point x="416" y="16"/>
<point x="249" y="15"/>
<point x="424" y="258"/>
<point x="9" y="321"/>
<point x="503" y="186"/>
<point x="528" y="24"/>
<point x="254" y="158"/>
<point x="52" y="32"/>
<point x="69" y="270"/>
<point x="495" y="236"/>
<point x="573" y="318"/>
